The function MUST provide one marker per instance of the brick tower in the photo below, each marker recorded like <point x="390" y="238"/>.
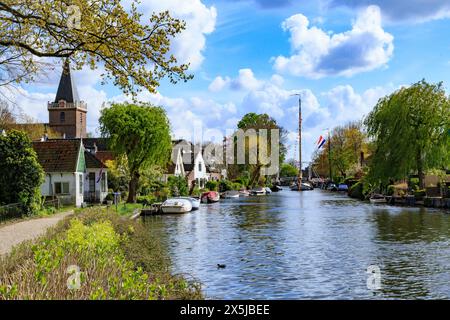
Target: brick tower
<point x="67" y="114"/>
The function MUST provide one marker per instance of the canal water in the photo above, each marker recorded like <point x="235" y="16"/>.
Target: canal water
<point x="310" y="245"/>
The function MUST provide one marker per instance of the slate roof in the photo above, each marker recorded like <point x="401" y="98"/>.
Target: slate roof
<point x="67" y="89"/>
<point x="58" y="155"/>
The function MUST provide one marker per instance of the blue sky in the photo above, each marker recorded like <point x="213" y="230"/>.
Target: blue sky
<point x="251" y="55"/>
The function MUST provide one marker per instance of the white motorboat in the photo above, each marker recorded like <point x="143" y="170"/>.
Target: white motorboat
<point x="230" y="194"/>
<point x="258" y="191"/>
<point x="244" y="193"/>
<point x="377" y="198"/>
<point x="268" y="191"/>
<point x="176" y="205"/>
<point x="194" y="201"/>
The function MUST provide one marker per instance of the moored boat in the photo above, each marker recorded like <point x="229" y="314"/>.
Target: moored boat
<point x="258" y="191"/>
<point x="268" y="191"/>
<point x="244" y="193"/>
<point x="194" y="201"/>
<point x="377" y="198"/>
<point x="276" y="188"/>
<point x="230" y="194"/>
<point x="176" y="205"/>
<point x="210" y="197"/>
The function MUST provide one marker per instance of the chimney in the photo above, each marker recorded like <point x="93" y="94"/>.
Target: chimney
<point x="95" y="148"/>
<point x="64" y="136"/>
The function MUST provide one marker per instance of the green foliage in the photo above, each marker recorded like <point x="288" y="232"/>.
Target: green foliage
<point x="390" y="190"/>
<point x="141" y="133"/>
<point x="117" y="259"/>
<point x="251" y="144"/>
<point x="410" y="129"/>
<point x="20" y="173"/>
<point x="413" y="184"/>
<point x="225" y="185"/>
<point x="133" y="51"/>
<point x="357" y="191"/>
<point x="212" y="185"/>
<point x="196" y="192"/>
<point x="288" y="170"/>
<point x="146" y="200"/>
<point x="109" y="197"/>
<point x="178" y="186"/>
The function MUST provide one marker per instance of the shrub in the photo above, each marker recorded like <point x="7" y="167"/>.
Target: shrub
<point x="413" y="184"/>
<point x="178" y="186"/>
<point x="21" y="174"/>
<point x="196" y="191"/>
<point x="109" y="197"/>
<point x="104" y="256"/>
<point x="225" y="185"/>
<point x="390" y="190"/>
<point x="146" y="200"/>
<point x="356" y="191"/>
<point x="212" y="185"/>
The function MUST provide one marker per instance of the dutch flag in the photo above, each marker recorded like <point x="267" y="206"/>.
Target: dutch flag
<point x="320" y="142"/>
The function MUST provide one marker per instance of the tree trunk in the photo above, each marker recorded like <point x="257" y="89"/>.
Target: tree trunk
<point x="132" y="188"/>
<point x="420" y="172"/>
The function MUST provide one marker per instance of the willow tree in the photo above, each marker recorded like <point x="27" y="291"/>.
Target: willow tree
<point x="410" y="129"/>
<point x="141" y="133"/>
<point x="258" y="146"/>
<point x="134" y="53"/>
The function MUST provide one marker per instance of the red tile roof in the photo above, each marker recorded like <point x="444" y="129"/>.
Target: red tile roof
<point x="58" y="155"/>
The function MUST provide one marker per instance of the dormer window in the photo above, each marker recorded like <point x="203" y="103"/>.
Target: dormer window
<point x="62" y="117"/>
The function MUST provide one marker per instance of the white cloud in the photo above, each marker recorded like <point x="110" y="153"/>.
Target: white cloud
<point x="245" y="80"/>
<point x="317" y="53"/>
<point x="403" y="10"/>
<point x="200" y="21"/>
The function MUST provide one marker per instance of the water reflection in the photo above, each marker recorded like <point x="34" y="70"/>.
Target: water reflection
<point x="305" y="245"/>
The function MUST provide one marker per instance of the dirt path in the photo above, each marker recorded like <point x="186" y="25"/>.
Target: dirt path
<point x="11" y="235"/>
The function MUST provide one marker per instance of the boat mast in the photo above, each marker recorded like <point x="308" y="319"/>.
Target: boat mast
<point x="299" y="180"/>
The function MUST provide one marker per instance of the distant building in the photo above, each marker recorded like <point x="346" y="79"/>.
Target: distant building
<point x="187" y="161"/>
<point x="67" y="114"/>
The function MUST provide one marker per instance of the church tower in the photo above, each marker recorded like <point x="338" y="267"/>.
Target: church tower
<point x="67" y="114"/>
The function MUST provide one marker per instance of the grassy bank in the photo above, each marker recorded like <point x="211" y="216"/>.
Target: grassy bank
<point x="95" y="254"/>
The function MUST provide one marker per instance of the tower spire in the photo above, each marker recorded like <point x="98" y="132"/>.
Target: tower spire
<point x="67" y="90"/>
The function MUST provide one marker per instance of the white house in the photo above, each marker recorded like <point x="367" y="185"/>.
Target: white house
<point x="71" y="174"/>
<point x="187" y="161"/>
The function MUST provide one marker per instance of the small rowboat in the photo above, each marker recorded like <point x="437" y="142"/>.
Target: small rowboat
<point x="210" y="197"/>
<point x="176" y="205"/>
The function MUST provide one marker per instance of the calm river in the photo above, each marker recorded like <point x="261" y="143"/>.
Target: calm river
<point x="309" y="245"/>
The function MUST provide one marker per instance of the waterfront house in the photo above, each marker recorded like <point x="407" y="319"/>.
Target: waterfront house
<point x="73" y="174"/>
<point x="64" y="164"/>
<point x="187" y="161"/>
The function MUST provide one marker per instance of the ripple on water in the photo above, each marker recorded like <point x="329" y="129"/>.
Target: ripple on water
<point x="309" y="245"/>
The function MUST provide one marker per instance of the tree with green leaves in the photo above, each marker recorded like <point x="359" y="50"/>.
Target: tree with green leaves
<point x="257" y="122"/>
<point x="135" y="54"/>
<point x="288" y="170"/>
<point x="139" y="132"/>
<point x="410" y="129"/>
<point x="21" y="175"/>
